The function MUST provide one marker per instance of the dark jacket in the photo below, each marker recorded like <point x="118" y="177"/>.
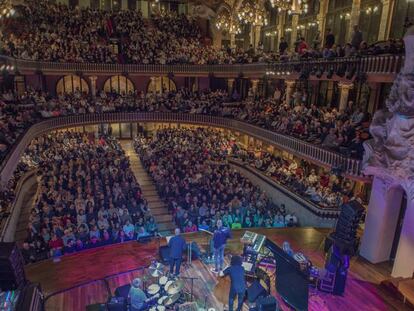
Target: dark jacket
<point x="220" y="237"/>
<point x="238" y="281"/>
<point x="177" y="245"/>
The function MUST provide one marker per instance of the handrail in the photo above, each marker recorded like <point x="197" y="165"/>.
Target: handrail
<point x="303" y="149"/>
<point x="319" y="211"/>
<point x="376" y="64"/>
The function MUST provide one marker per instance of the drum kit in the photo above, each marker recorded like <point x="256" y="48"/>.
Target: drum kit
<point x="166" y="292"/>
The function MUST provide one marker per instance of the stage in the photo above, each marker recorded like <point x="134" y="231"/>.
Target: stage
<point x="78" y="271"/>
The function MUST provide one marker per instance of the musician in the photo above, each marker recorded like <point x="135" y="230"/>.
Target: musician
<point x="238" y="282"/>
<point x="137" y="296"/>
<point x="177" y="245"/>
<point x="219" y="242"/>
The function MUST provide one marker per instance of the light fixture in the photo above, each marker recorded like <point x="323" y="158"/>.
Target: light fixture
<point x="227" y="22"/>
<point x="6" y="9"/>
<point x="251" y="12"/>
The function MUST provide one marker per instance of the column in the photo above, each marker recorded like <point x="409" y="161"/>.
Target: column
<point x="294" y="33"/>
<point x="233" y="40"/>
<point x="93" y="79"/>
<point x="321" y="18"/>
<point x="344" y="93"/>
<point x="280" y="28"/>
<point x="217" y="38"/>
<point x="255" y="84"/>
<point x="354" y="20"/>
<point x="380" y="222"/>
<point x="386" y="16"/>
<point x="404" y="259"/>
<point x="290" y="87"/>
<point x="256" y="33"/>
<point x="124" y="5"/>
<point x="19" y="84"/>
<point x="230" y="86"/>
<point x="373" y="97"/>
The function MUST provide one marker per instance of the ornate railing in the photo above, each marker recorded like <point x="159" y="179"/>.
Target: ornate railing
<point x="382" y="64"/>
<point x="292" y="145"/>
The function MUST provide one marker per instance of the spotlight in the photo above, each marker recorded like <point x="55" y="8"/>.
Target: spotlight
<point x="341" y="71"/>
<point x="330" y="73"/>
<point x="351" y="73"/>
<point x="319" y="73"/>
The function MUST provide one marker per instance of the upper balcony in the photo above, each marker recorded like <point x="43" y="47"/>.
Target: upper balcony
<point x="381" y="68"/>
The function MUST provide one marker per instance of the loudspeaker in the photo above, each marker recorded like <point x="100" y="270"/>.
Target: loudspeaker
<point x="255" y="291"/>
<point x="123" y="291"/>
<point x="195" y="251"/>
<point x="12" y="273"/>
<point x="117" y="304"/>
<point x="164" y="253"/>
<point x="268" y="303"/>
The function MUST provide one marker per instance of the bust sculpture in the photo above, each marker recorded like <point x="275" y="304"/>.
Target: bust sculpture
<point x="391" y="150"/>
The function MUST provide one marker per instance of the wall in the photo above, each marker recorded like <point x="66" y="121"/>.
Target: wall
<point x="27" y="182"/>
<point x="305" y="217"/>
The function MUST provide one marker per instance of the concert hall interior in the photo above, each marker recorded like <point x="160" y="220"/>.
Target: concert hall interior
<point x="206" y="155"/>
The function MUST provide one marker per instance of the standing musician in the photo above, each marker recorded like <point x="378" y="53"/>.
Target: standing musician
<point x="137" y="296"/>
<point x="219" y="242"/>
<point x="177" y="245"/>
<point x="238" y="282"/>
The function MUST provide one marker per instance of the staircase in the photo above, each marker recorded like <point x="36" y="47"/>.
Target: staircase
<point x="156" y="205"/>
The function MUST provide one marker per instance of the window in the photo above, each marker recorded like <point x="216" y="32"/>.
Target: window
<point x="70" y="84"/>
<point x="119" y="85"/>
<point x="369" y="21"/>
<point x="403" y="13"/>
<point x="161" y="84"/>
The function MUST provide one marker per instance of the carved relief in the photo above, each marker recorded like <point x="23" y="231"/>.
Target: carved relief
<point x="391" y="150"/>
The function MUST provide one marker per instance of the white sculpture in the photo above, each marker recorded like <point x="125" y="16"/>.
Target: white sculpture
<point x="391" y="151"/>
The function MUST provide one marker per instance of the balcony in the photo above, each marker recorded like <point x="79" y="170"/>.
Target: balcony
<point x="315" y="154"/>
<point x="388" y="65"/>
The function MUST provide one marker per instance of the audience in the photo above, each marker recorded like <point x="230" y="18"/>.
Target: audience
<point x="46" y="31"/>
<point x="87" y="196"/>
<point x="190" y="171"/>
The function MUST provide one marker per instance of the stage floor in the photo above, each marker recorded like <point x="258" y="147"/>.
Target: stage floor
<point x="362" y="291"/>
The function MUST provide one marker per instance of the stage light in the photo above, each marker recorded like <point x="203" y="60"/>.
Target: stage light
<point x="330" y="73"/>
<point x="319" y="73"/>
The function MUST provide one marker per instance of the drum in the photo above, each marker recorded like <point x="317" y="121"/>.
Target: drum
<point x="160" y="308"/>
<point x="168" y="285"/>
<point x="161" y="300"/>
<point x="153" y="289"/>
<point x="163" y="280"/>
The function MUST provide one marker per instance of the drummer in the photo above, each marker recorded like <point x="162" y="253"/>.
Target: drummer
<point x="137" y="296"/>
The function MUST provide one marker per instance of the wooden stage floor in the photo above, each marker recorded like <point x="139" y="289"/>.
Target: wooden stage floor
<point x="362" y="291"/>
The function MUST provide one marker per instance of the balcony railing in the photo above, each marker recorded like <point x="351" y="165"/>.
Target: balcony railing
<point x="382" y="64"/>
<point x="315" y="154"/>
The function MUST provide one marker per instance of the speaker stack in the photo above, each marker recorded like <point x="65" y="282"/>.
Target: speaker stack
<point x="345" y="232"/>
<point x="12" y="274"/>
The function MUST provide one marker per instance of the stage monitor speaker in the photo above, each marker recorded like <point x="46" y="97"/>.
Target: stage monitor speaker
<point x="268" y="303"/>
<point x="117" y="304"/>
<point x="255" y="291"/>
<point x="123" y="291"/>
<point x="164" y="253"/>
<point x="12" y="273"/>
<point x="96" y="307"/>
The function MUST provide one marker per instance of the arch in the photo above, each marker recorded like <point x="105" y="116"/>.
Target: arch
<point x="119" y="84"/>
<point x="71" y="83"/>
<point x="161" y="84"/>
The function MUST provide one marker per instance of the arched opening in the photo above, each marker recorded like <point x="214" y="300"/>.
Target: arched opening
<point x="119" y="84"/>
<point x="70" y="84"/>
<point x="161" y="85"/>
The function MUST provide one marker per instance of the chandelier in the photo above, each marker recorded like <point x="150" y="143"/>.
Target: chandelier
<point x="227" y="22"/>
<point x="281" y="4"/>
<point x="253" y="13"/>
<point x="6" y="9"/>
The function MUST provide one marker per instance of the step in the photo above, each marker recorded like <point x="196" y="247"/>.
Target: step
<point x="163" y="218"/>
<point x="158" y="206"/>
<point x="166" y="226"/>
<point x="155" y="212"/>
<point x="153" y="199"/>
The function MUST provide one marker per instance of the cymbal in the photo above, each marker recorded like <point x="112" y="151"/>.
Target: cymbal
<point x="171" y="299"/>
<point x="156" y="269"/>
<point x="175" y="287"/>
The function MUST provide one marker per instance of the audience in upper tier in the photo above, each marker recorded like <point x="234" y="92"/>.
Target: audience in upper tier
<point x="190" y="171"/>
<point x="341" y="131"/>
<point x="46" y="31"/>
<point x="87" y="196"/>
